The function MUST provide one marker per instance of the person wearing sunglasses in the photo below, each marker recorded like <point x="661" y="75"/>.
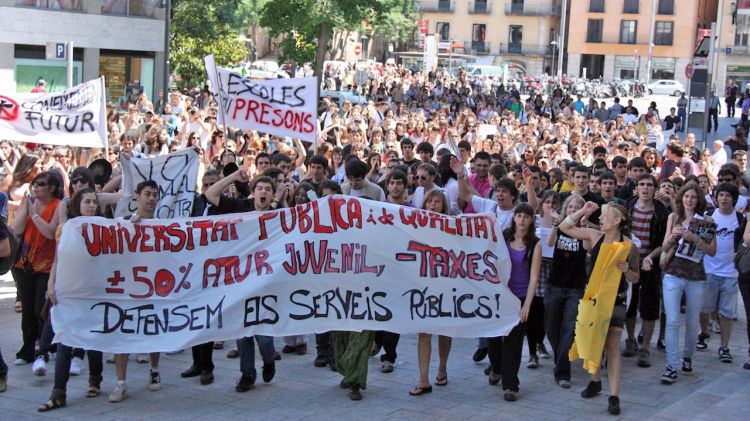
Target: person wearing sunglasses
<point x="36" y="221"/>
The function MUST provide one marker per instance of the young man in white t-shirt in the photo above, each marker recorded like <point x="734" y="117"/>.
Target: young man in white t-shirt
<point x="721" y="275"/>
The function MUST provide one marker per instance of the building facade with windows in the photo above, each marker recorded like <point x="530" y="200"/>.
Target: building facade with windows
<point x="733" y="47"/>
<point x="610" y="39"/>
<point x="513" y="32"/>
<point x="120" y="39"/>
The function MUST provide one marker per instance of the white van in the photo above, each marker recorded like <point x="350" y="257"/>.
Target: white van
<point x="486" y="70"/>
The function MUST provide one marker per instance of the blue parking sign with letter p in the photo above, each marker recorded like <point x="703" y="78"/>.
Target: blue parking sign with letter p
<point x="60" y="50"/>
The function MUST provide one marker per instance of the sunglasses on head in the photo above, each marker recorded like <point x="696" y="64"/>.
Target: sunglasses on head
<point x="726" y="180"/>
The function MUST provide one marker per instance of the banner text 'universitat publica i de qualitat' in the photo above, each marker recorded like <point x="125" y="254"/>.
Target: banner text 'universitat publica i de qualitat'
<point x="338" y="263"/>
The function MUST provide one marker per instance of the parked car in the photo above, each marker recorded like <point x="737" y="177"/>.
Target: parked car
<point x="666" y="87"/>
<point x="266" y="69"/>
<point x="340" y="96"/>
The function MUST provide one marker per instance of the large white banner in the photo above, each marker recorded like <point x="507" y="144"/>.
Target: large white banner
<point x="338" y="263"/>
<point x="74" y="117"/>
<point x="283" y="107"/>
<point x="177" y="177"/>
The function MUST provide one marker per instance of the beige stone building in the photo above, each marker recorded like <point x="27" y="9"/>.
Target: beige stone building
<point x="733" y="51"/>
<point x="611" y="38"/>
<point x="514" y="32"/>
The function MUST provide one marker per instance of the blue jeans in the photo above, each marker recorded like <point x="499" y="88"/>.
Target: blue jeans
<point x="246" y="347"/>
<point x="673" y="289"/>
<point x="560" y="311"/>
<point x="682" y="113"/>
<point x="62" y="365"/>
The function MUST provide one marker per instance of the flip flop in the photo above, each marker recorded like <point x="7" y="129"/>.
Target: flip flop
<point x="441" y="381"/>
<point x="420" y="390"/>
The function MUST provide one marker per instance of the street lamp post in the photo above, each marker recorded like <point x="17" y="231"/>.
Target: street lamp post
<point x="554" y="50"/>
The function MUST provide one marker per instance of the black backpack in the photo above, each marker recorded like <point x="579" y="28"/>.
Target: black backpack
<point x="7" y="262"/>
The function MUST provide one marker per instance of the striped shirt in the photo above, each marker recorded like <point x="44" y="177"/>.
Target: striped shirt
<point x="640" y="227"/>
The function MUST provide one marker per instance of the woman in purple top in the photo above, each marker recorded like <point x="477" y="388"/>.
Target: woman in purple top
<point x="526" y="259"/>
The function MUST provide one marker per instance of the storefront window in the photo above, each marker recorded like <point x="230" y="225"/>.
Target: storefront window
<point x="144" y="8"/>
<point x="126" y="78"/>
<point x="662" y="68"/>
<point x="625" y="67"/>
<point x="52" y="4"/>
<point x="55" y="74"/>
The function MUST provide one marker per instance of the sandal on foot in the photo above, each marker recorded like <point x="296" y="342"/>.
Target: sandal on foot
<point x="418" y="390"/>
<point x="93" y="392"/>
<point x="95" y="386"/>
<point x="56" y="400"/>
<point x="441" y="381"/>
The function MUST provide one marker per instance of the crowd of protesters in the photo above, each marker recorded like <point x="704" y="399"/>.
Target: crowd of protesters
<point x="562" y="176"/>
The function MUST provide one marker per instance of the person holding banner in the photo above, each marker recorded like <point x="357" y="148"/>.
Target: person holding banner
<point x="434" y="201"/>
<point x="614" y="223"/>
<point x="37" y="219"/>
<point x="147" y="197"/>
<point x="83" y="203"/>
<point x="526" y="259"/>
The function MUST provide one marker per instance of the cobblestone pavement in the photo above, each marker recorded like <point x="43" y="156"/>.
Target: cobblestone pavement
<point x="301" y="391"/>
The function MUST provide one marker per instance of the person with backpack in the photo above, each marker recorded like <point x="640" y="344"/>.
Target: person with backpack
<point x="721" y="275"/>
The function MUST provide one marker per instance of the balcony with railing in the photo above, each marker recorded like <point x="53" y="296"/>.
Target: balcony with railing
<point x="480" y="7"/>
<point x="525" y="49"/>
<point x="447" y="6"/>
<point x="477" y="47"/>
<point x="534" y="9"/>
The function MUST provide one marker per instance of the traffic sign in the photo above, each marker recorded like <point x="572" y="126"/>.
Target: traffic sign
<point x="689" y="70"/>
<point x="358" y="50"/>
<point x="56" y="51"/>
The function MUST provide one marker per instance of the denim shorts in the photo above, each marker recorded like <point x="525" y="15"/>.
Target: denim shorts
<point x="721" y="295"/>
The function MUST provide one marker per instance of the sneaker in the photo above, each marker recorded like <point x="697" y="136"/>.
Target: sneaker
<point x="644" y="358"/>
<point x="687" y="366"/>
<point x="669" y="376"/>
<point x="533" y="361"/>
<point x="142" y="358"/>
<point x="118" y="394"/>
<point x="154" y="381"/>
<point x="479" y="354"/>
<point x="75" y="366"/>
<point x="724" y="355"/>
<point x="386" y="367"/>
<point x="20" y="361"/>
<point x="3" y="383"/>
<point x="565" y="384"/>
<point x="111" y="359"/>
<point x="631" y="348"/>
<point x="493" y="378"/>
<point x="320" y="361"/>
<point x="244" y="384"/>
<point x="701" y="344"/>
<point x="541" y="351"/>
<point x="510" y="395"/>
<point x="40" y="366"/>
<point x="614" y="405"/>
<point x="592" y="389"/>
<point x="269" y="370"/>
<point x="661" y="346"/>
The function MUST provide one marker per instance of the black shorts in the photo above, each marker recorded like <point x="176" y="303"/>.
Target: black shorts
<point x="618" y="316"/>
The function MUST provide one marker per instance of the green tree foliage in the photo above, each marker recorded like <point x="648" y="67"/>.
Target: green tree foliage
<point x="214" y="27"/>
<point x="308" y="25"/>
